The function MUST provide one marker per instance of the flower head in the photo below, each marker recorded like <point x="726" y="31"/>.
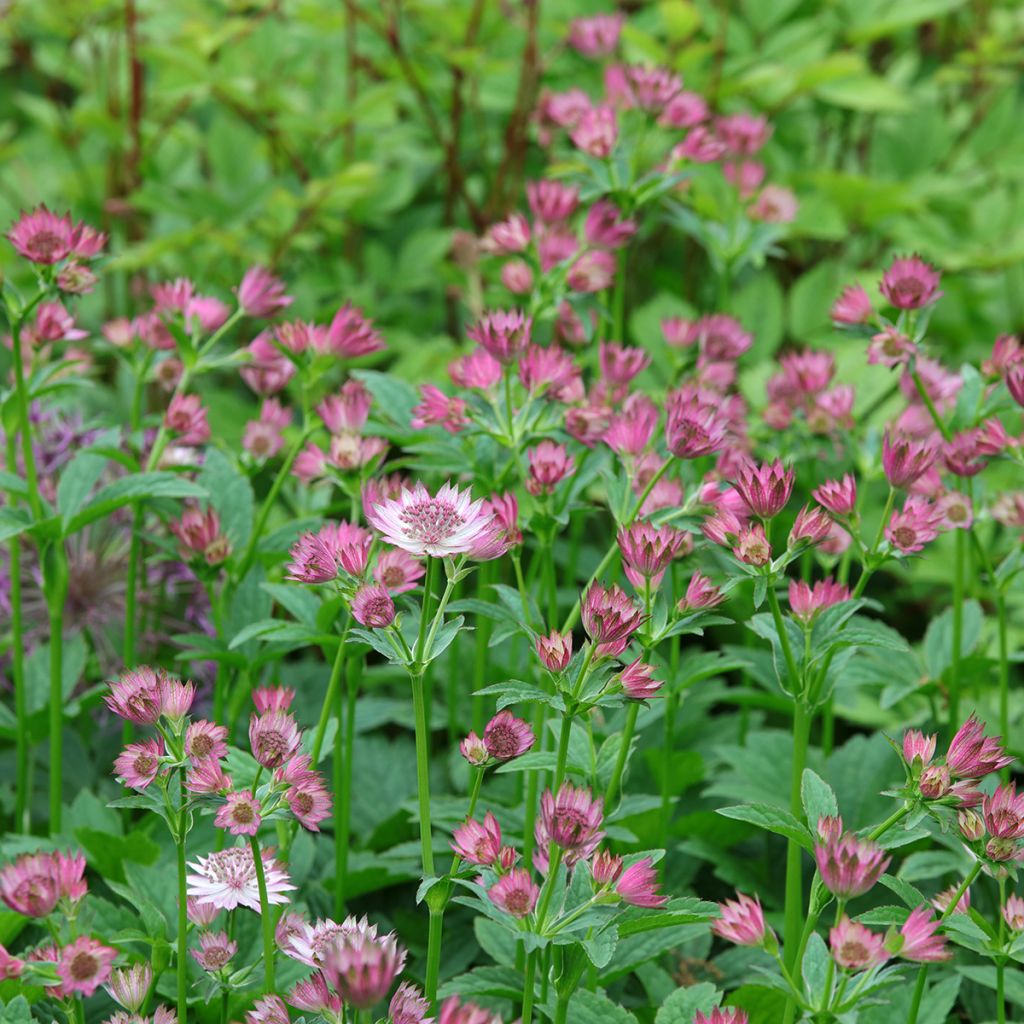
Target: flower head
<point x="918" y="939"/>
<point x="504" y="335"/>
<point x="227" y="879"/>
<point x="362" y="965"/>
<point x="638" y="682"/>
<point x="838" y="496"/>
<point x="806" y="601"/>
<point x="139" y="763"/>
<point x="268" y="1010"/>
<point x="261" y="294"/>
<point x="373" y="607"/>
<point x="596" y="132"/>
<point x="972" y="754"/>
<point x="910" y="283"/>
<point x="453" y="1011"/>
<point x="186" y="416"/>
<point x="638" y="885"/>
<point x="129" y="986"/>
<point x="856" y="948"/>
<point x="515" y="892"/>
<point x="647" y="551"/>
<point x="1004" y="812"/>
<point x="84" y="965"/>
<point x="137" y="695"/>
<point x="215" y="950"/>
<point x="741" y="921"/>
<point x="408" y="1006"/>
<point x="853" y="306"/>
<point x="719" y="1016"/>
<point x="476" y="843"/>
<point x="906" y="459"/>
<point x="610" y="618"/>
<point x="701" y="593"/>
<point x="765" y="488"/>
<point x="448" y="523"/>
<point x="199" y="535"/>
<point x="507" y="737"/>
<point x="1013" y="913"/>
<point x="918" y="748"/>
<point x="474" y="750"/>
<point x="549" y="464"/>
<point x="850" y="866"/>
<point x="917" y="524"/>
<point x="274" y="737"/>
<point x="554" y="650"/>
<point x="571" y="819"/>
<point x="240" y="814"/>
<point x="42" y="236"/>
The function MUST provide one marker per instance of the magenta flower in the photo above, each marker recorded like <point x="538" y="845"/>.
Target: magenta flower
<point x="1015" y="382"/>
<point x="972" y="754"/>
<point x="361" y="966"/>
<point x="1004" y="812"/>
<point x="850" y="866"/>
<point x="516" y="893"/>
<point x="752" y="547"/>
<point x="273" y="698"/>
<point x="215" y="952"/>
<point x="572" y="821"/>
<point x="638" y="885"/>
<point x="592" y="271"/>
<point x="610" y="618"/>
<point x="476" y="843"/>
<point x="605" y="226"/>
<point x="812" y="526"/>
<point x="1013" y="913"/>
<point x="766" y="488"/>
<point x="917" y="747"/>
<point x="186" y="417"/>
<point x="274" y="737"/>
<point x="313" y="994"/>
<point x="596" y="132"/>
<point x="507" y="236"/>
<point x="806" y="601"/>
<point x="206" y="776"/>
<point x="630" y="432"/>
<point x="554" y="650"/>
<point x="351" y="335"/>
<point x="261" y="294"/>
<point x="549" y="464"/>
<point x="507" y="737"/>
<point x="263" y="437"/>
<point x="741" y="921"/>
<point x="348" y="410"/>
<point x="137" y="695"/>
<point x="42" y="237"/>
<point x="446" y="524"/>
<point x="550" y="370"/>
<point x="32" y="885"/>
<point x="53" y="323"/>
<point x="504" y="335"/>
<point x="398" y="571"/>
<point x="129" y="986"/>
<point x="372" y="606"/>
<point x="199" y="535"/>
<point x="227" y="879"/>
<point x="84" y="965"/>
<point x="139" y="763"/>
<point x="477" y="369"/>
<point x="906" y="459"/>
<point x="856" y="948"/>
<point x="453" y="1011"/>
<point x="701" y="593"/>
<point x="916" y="525"/>
<point x="693" y="429"/>
<point x="910" y="283"/>
<point x="596" y="36"/>
<point x="719" y="1016"/>
<point x="437" y="409"/>
<point x="552" y="201"/>
<point x="852" y="307"/>
<point x="919" y="940"/>
<point x="408" y="1006"/>
<point x="941" y="901"/>
<point x="647" y="551"/>
<point x="838" y="496"/>
<point x="240" y="814"/>
<point x="638" y="682"/>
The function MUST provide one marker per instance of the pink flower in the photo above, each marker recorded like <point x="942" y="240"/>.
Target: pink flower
<point x="550" y="370"/>
<point x="765" y="488"/>
<point x="915" y="526"/>
<point x="312" y="560"/>
<point x="856" y="948"/>
<point x="552" y="202"/>
<point x="215" y="952"/>
<point x="261" y="294"/>
<point x="962" y="455"/>
<point x="1004" y="812"/>
<point x="268" y="370"/>
<point x="263" y="438"/>
<point x="517" y="277"/>
<point x="647" y="551"/>
<point x="920" y="939"/>
<point x="1013" y="913"/>
<point x="449" y="523"/>
<point x="701" y="593"/>
<point x="812" y="526"/>
<point x="314" y="995"/>
<point x="592" y="271"/>
<point x="630" y="432"/>
<point x="850" y="866"/>
<point x="186" y="417"/>
<point x="53" y="323"/>
<point x="941" y="902"/>
<point x="309" y="801"/>
<point x="910" y="283"/>
<point x="638" y="682"/>
<point x="361" y="966"/>
<point x="351" y="335"/>
<point x="348" y="409"/>
<point x="605" y="226"/>
<point x="549" y="464"/>
<point x="455" y="1012"/>
<point x="741" y="921"/>
<point x="610" y="618"/>
<point x="227" y="879"/>
<point x="554" y="650"/>
<point x="273" y="737"/>
<point x="620" y="363"/>
<point x="45" y="238"/>
<point x="504" y="508"/>
<point x="596" y="132"/>
<point x="890" y="347"/>
<point x="516" y="893"/>
<point x="476" y="843"/>
<point x="806" y="601"/>
<point x="1015" y="383"/>
<point x="408" y="1006"/>
<point x="139" y="764"/>
<point x="775" y="204"/>
<point x="130" y="985"/>
<point x="718" y="1016"/>
<point x="504" y="335"/>
<point x="199" y="535"/>
<point x="268" y="1010"/>
<point x="752" y="547"/>
<point x="918" y="747"/>
<point x="240" y="814"/>
<point x="474" y="751"/>
<point x="701" y="146"/>
<point x="34" y="883"/>
<point x="684" y="110"/>
<point x="507" y="737"/>
<point x="829" y="828"/>
<point x="838" y="496"/>
<point x="572" y="821"/>
<point x="206" y="776"/>
<point x="440" y="410"/>
<point x="743" y="133"/>
<point x="372" y="606"/>
<point x="477" y="369"/>
<point x="638" y="885"/>
<point x="398" y="571"/>
<point x="693" y="429"/>
<point x="508" y="236"/>
<point x="596" y="36"/>
<point x="84" y="965"/>
<point x="137" y="695"/>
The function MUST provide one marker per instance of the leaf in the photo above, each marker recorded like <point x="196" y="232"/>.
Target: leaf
<point x="76" y="481"/>
<point x="13" y="521"/>
<point x="393" y="399"/>
<point x="683" y="1004"/>
<point x="503" y="982"/>
<point x="587" y="1007"/>
<point x="938" y="639"/>
<point x="772" y="818"/>
<point x="230" y="496"/>
<point x="817" y="797"/>
<point x="815" y="969"/>
<point x="131" y="488"/>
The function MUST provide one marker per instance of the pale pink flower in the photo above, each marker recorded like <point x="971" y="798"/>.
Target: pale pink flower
<point x="373" y="607"/>
<point x="240" y="814"/>
<point x="775" y="204"/>
<point x="504" y="335"/>
<point x="351" y="335"/>
<point x="312" y="560"/>
<point x="398" y="571"/>
<point x="890" y="347"/>
<point x="1013" y="913"/>
<point x="137" y="695"/>
<point x="743" y="133"/>
<point x="596" y="132"/>
<point x="596" y="36"/>
<point x="186" y="417"/>
<point x="551" y="201"/>
<point x="84" y="965"/>
<point x="916" y="525"/>
<point x="701" y="593"/>
<point x="477" y="369"/>
<point x="684" y="110"/>
<point x="752" y="547"/>
<point x="638" y="885"/>
<point x="508" y="236"/>
<point x="554" y="650"/>
<point x="129" y="986"/>
<point x="453" y="1011"/>
<point x="273" y="698"/>
<point x="199" y="536"/>
<point x="850" y="866"/>
<point x="507" y="737"/>
<point x="549" y="464"/>
<point x="274" y="737"/>
<point x="910" y="283"/>
<point x="268" y="1010"/>
<point x="647" y="551"/>
<point x="1004" y="812"/>
<point x="605" y="226"/>
<point x="941" y="901"/>
<point x="962" y="454"/>
<point x="918" y="747"/>
<point x="741" y="921"/>
<point x="957" y="512"/>
<point x="517" y="277"/>
<point x="227" y="879"/>
<point x="812" y="526"/>
<point x="346" y="410"/>
<point x="313" y="994"/>
<point x="361" y="967"/>
<point x="474" y="751"/>
<point x="139" y="763"/>
<point x="215" y="952"/>
<point x="806" y="601"/>
<point x="437" y="409"/>
<point x="476" y="843"/>
<point x="206" y="776"/>
<point x="856" y="948"/>
<point x="838" y="496"/>
<point x="694" y="428"/>
<point x="261" y="294"/>
<point x="920" y="941"/>
<point x="268" y="370"/>
<point x="572" y="821"/>
<point x="515" y="892"/>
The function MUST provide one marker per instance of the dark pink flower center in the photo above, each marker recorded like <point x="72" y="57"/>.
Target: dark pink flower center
<point x="431" y="521"/>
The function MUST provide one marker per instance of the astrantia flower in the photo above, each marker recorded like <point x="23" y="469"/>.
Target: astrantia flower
<point x="701" y="593"/>
<point x="693" y="429"/>
<point x="806" y="601"/>
<point x="205" y="739"/>
<point x="437" y="408"/>
<point x="765" y="488"/>
<point x="130" y="985"/>
<point x="1004" y="812"/>
<point x="516" y="892"/>
<point x="638" y="885"/>
<point x="31" y="884"/>
<point x="741" y="921"/>
<point x="850" y="866"/>
<point x="906" y="459"/>
<point x="268" y="1010"/>
<point x="273" y="738"/>
<point x="186" y="417"/>
<point x="361" y="967"/>
<point x="549" y="464"/>
<point x="852" y="307"/>
<point x="215" y="952"/>
<point x="137" y="695"/>
<point x="476" y="843"/>
<point x="854" y="947"/>
<point x="310" y="802"/>
<point x="610" y="618"/>
<point x="206" y="776"/>
<point x="918" y="748"/>
<point x="890" y="347"/>
<point x="596" y="132"/>
<point x="552" y="201"/>
<point x="502" y="334"/>
<point x="398" y="571"/>
<point x="408" y="1006"/>
<point x="372" y="606"/>
<point x="910" y="283"/>
<point x="572" y="821"/>
<point x="199" y="535"/>
<point x="972" y="754"/>
<point x="554" y="650"/>
<point x="647" y="551"/>
<point x="351" y="335"/>
<point x="941" y="901"/>
<point x="550" y="370"/>
<point x="42" y="237"/>
<point x="227" y="879"/>
<point x="313" y="994"/>
<point x="918" y="940"/>
<point x="474" y="751"/>
<point x="752" y="547"/>
<point x="838" y="496"/>
<point x="638" y="682"/>
<point x="718" y="1016"/>
<point x="446" y="524"/>
<point x="916" y="525"/>
<point x="139" y="763"/>
<point x="477" y="369"/>
<point x="240" y="814"/>
<point x="596" y="36"/>
<point x="84" y="965"/>
<point x="1013" y="913"/>
<point x="262" y="294"/>
<point x="812" y="526"/>
<point x="507" y="737"/>
<point x="453" y="1011"/>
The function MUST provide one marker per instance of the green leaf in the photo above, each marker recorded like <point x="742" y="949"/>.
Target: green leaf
<point x="817" y="797"/>
<point x="131" y="488"/>
<point x="772" y="818"/>
<point x="13" y="521"/>
<point x="685" y="1003"/>
<point x="587" y="1007"/>
<point x="77" y="481"/>
<point x="230" y="496"/>
<point x="938" y="639"/>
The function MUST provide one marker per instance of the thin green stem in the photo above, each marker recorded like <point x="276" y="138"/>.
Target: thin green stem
<point x="343" y="782"/>
<point x="435" y="934"/>
<point x="915" y="1002"/>
<point x="428" y="590"/>
<point x="959" y="557"/>
<point x="24" y="427"/>
<point x="423" y="773"/>
<point x="182" y="954"/>
<point x="266" y="917"/>
<point x="940" y="424"/>
<point x="794" y="909"/>
<point x="620" y="761"/>
<point x="56" y="583"/>
<point x="330" y="697"/>
<point x="23" y="785"/>
<point x="526" y="1017"/>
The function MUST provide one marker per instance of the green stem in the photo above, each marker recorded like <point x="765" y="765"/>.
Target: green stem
<point x="23" y="784"/>
<point x="423" y="773"/>
<point x="787" y="650"/>
<point x="434" y="936"/>
<point x="1004" y="668"/>
<point x="24" y="427"/>
<point x="619" y="302"/>
<point x="915" y="1002"/>
<point x="343" y="783"/>
<point x="794" y="910"/>
<point x="330" y="698"/>
<point x="526" y="1017"/>
<point x="56" y="582"/>
<point x="620" y="761"/>
<point x="930" y="405"/>
<point x="266" y="918"/>
<point x="428" y="590"/>
<point x="958" y="629"/>
<point x="182" y="960"/>
<point x="897" y="816"/>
